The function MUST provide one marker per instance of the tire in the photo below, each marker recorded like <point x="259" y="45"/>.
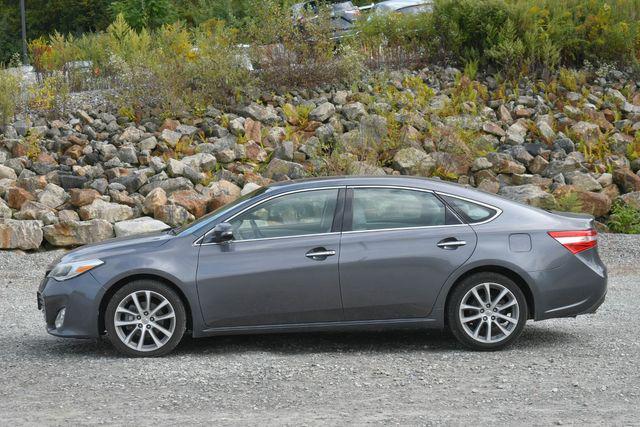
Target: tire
<point x="487" y="328"/>
<point x="149" y="310"/>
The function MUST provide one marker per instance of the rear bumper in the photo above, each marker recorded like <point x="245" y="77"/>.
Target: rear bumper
<point x="79" y="297"/>
<point x="576" y="287"/>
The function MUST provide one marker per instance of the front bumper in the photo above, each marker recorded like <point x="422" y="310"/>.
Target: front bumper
<point x="80" y="296"/>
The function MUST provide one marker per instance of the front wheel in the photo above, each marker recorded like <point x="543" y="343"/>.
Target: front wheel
<point x="145" y="319"/>
<point x="487" y="311"/>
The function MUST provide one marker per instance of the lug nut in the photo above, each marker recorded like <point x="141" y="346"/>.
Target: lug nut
<point x="152" y="319"/>
<point x="488" y="305"/>
<point x="139" y="317"/>
<point x="482" y="310"/>
<point x="145" y="313"/>
<point x="148" y="326"/>
<point x="493" y="317"/>
<point x="139" y="325"/>
<point x="484" y="318"/>
<point x="495" y="309"/>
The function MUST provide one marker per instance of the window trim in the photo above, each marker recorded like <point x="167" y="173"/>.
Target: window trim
<point x="338" y="207"/>
<point x="349" y="210"/>
<point x="497" y="210"/>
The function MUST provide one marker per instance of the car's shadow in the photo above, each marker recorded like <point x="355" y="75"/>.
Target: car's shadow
<point x="534" y="337"/>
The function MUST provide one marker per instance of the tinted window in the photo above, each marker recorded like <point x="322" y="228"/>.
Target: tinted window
<point x="295" y="214"/>
<point x="382" y="208"/>
<point x="472" y="212"/>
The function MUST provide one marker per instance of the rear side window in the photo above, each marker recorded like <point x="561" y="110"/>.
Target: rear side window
<point x="387" y="208"/>
<point x="471" y="212"/>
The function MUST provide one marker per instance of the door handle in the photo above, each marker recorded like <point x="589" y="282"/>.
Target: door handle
<point x="320" y="254"/>
<point x="451" y="243"/>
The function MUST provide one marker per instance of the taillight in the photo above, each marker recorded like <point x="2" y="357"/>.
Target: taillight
<point x="576" y="241"/>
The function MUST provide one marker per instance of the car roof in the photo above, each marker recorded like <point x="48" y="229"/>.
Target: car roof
<point x="399" y="4"/>
<point x="389" y="180"/>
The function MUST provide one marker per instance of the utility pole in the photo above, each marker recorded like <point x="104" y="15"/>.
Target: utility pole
<point x="23" y="16"/>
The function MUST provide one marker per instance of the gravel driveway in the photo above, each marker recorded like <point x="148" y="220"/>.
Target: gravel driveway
<point x="568" y="371"/>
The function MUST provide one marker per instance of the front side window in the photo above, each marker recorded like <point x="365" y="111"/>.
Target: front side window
<point x="472" y="212"/>
<point x="386" y="208"/>
<point x="295" y="214"/>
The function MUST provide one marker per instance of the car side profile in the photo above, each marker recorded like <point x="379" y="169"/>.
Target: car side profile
<point x="333" y="254"/>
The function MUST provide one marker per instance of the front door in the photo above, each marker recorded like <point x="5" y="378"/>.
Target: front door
<point x="281" y="267"/>
<point x="399" y="250"/>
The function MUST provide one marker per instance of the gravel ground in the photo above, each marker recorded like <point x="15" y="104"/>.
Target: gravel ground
<point x="571" y="371"/>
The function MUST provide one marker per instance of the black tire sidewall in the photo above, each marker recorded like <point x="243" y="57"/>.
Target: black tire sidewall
<point x="146" y="285"/>
<point x="456" y="298"/>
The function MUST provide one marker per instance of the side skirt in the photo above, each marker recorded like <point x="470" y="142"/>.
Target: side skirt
<point x="358" y="325"/>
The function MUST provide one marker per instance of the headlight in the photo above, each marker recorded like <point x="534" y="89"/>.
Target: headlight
<point x="68" y="270"/>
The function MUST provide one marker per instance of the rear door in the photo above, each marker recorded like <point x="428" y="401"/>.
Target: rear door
<point x="399" y="246"/>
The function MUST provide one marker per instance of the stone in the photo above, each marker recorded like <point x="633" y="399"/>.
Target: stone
<point x="515" y="134"/>
<point x="148" y="144"/>
<point x="589" y="133"/>
<point x="529" y="194"/>
<point x="191" y="200"/>
<point x="53" y="196"/>
<point x="68" y="215"/>
<point x="111" y="212"/>
<point x="632" y="199"/>
<point x="16" y="197"/>
<point x="504" y="163"/>
<point x="76" y="233"/>
<point x="373" y="129"/>
<point x="413" y="161"/>
<point x="5" y="210"/>
<point x="175" y="167"/>
<point x="156" y="198"/>
<point x="173" y="215"/>
<point x="6" y="172"/>
<point x="564" y="144"/>
<point x="358" y="168"/>
<point x="25" y="235"/>
<point x="128" y="155"/>
<point x="280" y="170"/>
<point x="253" y="130"/>
<point x="255" y="152"/>
<point x="538" y="165"/>
<point x="624" y="178"/>
<point x="583" y="181"/>
<point x="546" y="131"/>
<point x="267" y="115"/>
<point x="322" y="112"/>
<point x="68" y="181"/>
<point x="138" y="226"/>
<point x="481" y="163"/>
<point x="284" y="150"/>
<point x="504" y="114"/>
<point x="168" y="185"/>
<point x="249" y="187"/>
<point x="82" y="197"/>
<point x="131" y="134"/>
<point x="353" y="111"/>
<point x="493" y="129"/>
<point x="170" y="137"/>
<point x="220" y="193"/>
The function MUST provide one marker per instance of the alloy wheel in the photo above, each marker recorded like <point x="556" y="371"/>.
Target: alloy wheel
<point x="489" y="313"/>
<point x="144" y="320"/>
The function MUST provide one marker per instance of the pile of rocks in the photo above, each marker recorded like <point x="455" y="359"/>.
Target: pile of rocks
<point x="92" y="175"/>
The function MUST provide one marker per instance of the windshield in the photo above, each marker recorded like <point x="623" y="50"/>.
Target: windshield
<point x="203" y="221"/>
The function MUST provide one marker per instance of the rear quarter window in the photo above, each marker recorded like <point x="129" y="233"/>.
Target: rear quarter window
<point x="471" y="212"/>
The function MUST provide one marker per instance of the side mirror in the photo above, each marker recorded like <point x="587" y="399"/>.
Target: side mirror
<point x="222" y="233"/>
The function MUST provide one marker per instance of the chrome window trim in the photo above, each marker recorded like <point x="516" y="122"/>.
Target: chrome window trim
<point x="486" y="205"/>
<point x="421" y="227"/>
<point x="198" y="241"/>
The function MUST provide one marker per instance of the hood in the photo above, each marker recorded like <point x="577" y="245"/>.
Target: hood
<point x="118" y="246"/>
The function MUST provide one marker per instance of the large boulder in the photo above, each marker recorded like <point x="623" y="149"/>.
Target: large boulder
<point x="53" y="196"/>
<point x="625" y="179"/>
<point x="138" y="226"/>
<point x="156" y="198"/>
<point x="173" y="215"/>
<point x="82" y="197"/>
<point x="111" y="212"/>
<point x="25" y="235"/>
<point x="322" y="112"/>
<point x="413" y="161"/>
<point x="529" y="194"/>
<point x="280" y="170"/>
<point x="16" y="197"/>
<point x="191" y="200"/>
<point x="76" y="233"/>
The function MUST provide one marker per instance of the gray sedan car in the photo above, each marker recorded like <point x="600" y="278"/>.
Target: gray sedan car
<point x="333" y="254"/>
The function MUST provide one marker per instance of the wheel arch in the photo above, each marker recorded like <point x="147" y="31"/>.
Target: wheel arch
<point x="142" y="276"/>
<point x="498" y="269"/>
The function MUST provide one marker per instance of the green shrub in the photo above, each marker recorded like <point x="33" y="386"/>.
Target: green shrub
<point x="9" y="95"/>
<point x="624" y="219"/>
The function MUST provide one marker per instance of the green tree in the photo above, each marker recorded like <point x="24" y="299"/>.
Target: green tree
<point x="145" y="13"/>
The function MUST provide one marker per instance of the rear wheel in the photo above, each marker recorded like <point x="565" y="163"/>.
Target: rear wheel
<point x="145" y="319"/>
<point x="487" y="311"/>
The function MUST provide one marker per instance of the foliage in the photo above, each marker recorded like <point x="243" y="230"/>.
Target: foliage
<point x="144" y="13"/>
<point x="9" y="95"/>
<point x="569" y="202"/>
<point x="50" y="97"/>
<point x="624" y="219"/>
